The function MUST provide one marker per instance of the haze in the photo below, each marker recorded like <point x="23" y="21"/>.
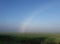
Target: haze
<point x="30" y="16"/>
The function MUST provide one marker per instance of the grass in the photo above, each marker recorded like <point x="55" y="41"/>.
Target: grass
<point x="29" y="38"/>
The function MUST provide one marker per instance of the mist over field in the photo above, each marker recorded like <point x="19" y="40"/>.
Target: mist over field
<point x="29" y="21"/>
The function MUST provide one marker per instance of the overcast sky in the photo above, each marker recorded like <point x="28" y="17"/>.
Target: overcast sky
<point x="30" y="15"/>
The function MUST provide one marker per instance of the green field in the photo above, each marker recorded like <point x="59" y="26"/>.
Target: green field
<point x="29" y="38"/>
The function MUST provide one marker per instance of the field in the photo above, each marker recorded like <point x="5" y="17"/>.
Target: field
<point x="29" y="38"/>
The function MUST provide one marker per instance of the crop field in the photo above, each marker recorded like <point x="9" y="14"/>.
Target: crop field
<point x="29" y="38"/>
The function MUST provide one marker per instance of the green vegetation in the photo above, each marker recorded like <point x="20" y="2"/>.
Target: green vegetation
<point x="29" y="38"/>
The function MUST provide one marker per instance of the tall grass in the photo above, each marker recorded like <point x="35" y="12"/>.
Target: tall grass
<point x="28" y="39"/>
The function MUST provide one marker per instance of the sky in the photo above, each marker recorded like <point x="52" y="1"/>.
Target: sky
<point x="30" y="15"/>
